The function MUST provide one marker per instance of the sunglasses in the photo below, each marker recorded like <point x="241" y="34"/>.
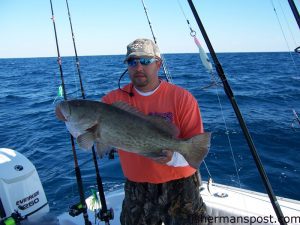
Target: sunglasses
<point x="143" y="61"/>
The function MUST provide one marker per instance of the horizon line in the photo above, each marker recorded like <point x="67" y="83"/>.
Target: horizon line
<point x="178" y="53"/>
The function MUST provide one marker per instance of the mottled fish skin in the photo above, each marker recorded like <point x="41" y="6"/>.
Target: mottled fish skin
<point x="123" y="127"/>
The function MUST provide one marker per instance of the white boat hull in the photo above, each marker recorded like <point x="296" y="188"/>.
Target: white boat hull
<point x="225" y="205"/>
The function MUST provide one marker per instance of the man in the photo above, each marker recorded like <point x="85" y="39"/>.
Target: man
<point x="163" y="189"/>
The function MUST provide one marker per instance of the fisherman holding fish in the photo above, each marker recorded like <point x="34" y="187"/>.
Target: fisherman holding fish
<point x="164" y="188"/>
<point x="157" y="128"/>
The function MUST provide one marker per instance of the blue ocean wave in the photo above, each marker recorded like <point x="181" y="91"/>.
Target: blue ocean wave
<point x="266" y="87"/>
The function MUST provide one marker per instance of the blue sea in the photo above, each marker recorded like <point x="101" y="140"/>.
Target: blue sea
<point x="266" y="88"/>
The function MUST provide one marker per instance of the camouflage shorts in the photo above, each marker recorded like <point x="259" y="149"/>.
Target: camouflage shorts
<point x="176" y="202"/>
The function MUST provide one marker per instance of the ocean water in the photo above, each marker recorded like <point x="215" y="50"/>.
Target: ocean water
<point x="266" y="88"/>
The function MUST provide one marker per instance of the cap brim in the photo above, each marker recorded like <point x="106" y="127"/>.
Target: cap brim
<point x="139" y="54"/>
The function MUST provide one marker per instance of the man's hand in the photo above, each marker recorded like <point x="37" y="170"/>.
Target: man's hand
<point x="165" y="157"/>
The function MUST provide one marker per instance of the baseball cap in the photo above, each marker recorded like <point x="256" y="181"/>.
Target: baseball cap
<point x="142" y="47"/>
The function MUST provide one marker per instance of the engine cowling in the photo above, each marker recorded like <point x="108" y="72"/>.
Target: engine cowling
<point x="20" y="187"/>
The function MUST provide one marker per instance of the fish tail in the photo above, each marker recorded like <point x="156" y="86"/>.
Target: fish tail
<point x="195" y="149"/>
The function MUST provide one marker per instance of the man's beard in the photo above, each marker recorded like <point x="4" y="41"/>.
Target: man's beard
<point x="141" y="81"/>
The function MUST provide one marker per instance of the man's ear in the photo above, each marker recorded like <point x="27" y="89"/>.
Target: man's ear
<point x="158" y="63"/>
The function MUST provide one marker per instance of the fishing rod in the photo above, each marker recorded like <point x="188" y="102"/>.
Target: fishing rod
<point x="239" y="116"/>
<point x="283" y="33"/>
<point x="295" y="11"/>
<point x="104" y="214"/>
<point x="165" y="69"/>
<point x="75" y="50"/>
<point x="83" y="206"/>
<point x="297" y="119"/>
<point x="297" y="18"/>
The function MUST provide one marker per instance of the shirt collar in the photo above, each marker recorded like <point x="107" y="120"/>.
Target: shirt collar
<point x="148" y="93"/>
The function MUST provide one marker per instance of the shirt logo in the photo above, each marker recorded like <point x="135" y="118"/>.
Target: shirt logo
<point x="167" y="116"/>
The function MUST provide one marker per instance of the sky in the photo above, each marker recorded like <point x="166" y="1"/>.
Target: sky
<point x="106" y="27"/>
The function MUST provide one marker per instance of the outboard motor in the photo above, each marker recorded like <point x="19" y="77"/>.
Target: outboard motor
<point x="21" y="192"/>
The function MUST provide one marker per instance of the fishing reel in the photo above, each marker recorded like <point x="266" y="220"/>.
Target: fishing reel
<point x="76" y="209"/>
<point x="105" y="215"/>
<point x="14" y="219"/>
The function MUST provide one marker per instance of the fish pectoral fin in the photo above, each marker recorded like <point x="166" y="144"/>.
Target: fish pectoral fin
<point x="93" y="129"/>
<point x="86" y="140"/>
<point x="102" y="148"/>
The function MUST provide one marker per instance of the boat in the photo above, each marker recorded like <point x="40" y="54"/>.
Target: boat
<point x="22" y="190"/>
<point x="226" y="205"/>
<point x="22" y="198"/>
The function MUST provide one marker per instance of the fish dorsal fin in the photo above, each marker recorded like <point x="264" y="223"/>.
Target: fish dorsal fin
<point x="157" y="121"/>
<point x="164" y="125"/>
<point x="126" y="107"/>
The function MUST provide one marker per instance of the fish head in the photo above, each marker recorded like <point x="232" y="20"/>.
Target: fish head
<point x="79" y="116"/>
<point x="62" y="111"/>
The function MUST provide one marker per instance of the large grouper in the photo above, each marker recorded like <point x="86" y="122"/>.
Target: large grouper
<point x="123" y="127"/>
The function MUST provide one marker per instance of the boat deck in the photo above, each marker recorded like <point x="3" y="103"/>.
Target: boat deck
<point x="225" y="205"/>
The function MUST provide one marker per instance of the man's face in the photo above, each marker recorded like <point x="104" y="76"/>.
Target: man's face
<point x="143" y="75"/>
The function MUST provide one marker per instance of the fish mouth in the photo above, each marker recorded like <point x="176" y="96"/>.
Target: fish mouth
<point x="59" y="114"/>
